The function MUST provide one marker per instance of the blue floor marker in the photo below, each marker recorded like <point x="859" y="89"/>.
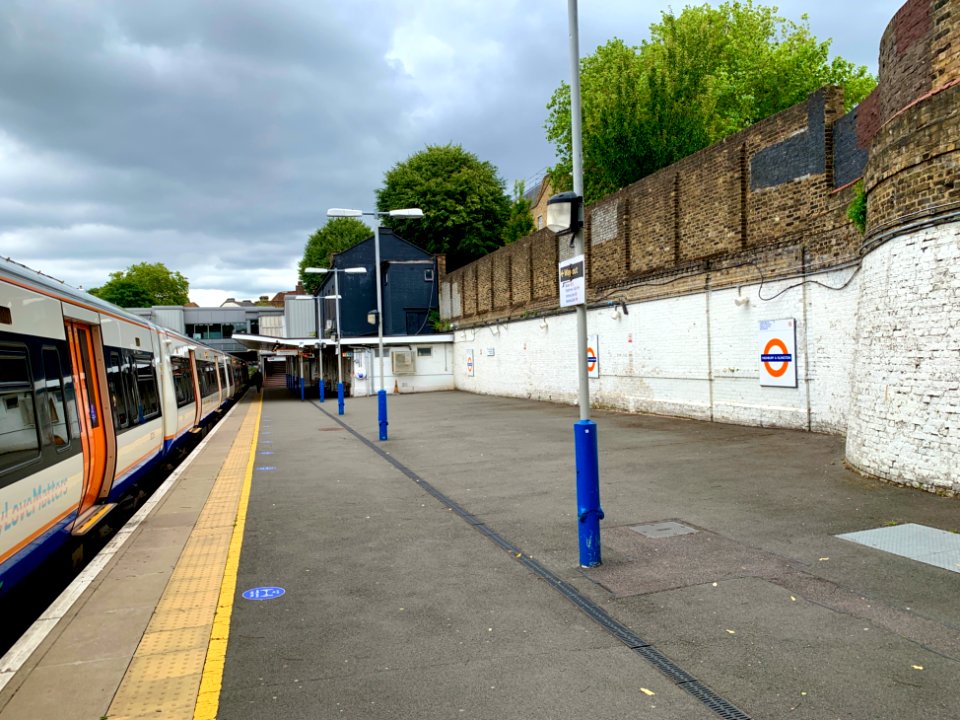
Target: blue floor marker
<point x="263" y="593"/>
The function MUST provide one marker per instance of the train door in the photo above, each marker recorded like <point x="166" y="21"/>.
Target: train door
<point x="90" y="396"/>
<point x="195" y="367"/>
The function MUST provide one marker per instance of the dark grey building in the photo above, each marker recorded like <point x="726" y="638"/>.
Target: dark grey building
<point x="410" y="288"/>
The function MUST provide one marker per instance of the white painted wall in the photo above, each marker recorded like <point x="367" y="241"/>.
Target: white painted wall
<point x="693" y="356"/>
<point x="432" y="372"/>
<point x="905" y="420"/>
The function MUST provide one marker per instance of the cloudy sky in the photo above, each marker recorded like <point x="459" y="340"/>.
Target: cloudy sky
<point x="213" y="135"/>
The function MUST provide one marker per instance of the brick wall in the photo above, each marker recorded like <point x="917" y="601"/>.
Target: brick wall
<point x="768" y="186"/>
<point x="915" y="161"/>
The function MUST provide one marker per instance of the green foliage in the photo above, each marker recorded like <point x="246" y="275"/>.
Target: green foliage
<point x="520" y="222"/>
<point x="857" y="209"/>
<point x="145" y="285"/>
<point x="704" y="74"/>
<point x="337" y="235"/>
<point x="438" y="325"/>
<point x="462" y="198"/>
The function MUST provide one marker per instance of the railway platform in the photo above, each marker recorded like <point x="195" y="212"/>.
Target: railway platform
<point x="300" y="568"/>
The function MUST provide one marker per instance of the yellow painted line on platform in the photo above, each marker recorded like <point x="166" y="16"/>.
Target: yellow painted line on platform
<point x="178" y="665"/>
<point x="208" y="698"/>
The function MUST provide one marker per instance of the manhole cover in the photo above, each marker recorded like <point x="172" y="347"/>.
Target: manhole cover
<point x="662" y="529"/>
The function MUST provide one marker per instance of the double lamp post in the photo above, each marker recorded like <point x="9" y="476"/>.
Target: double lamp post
<point x="336" y="298"/>
<point x="406" y="214"/>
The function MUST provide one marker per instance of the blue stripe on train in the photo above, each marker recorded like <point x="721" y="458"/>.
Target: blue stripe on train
<point x="31" y="556"/>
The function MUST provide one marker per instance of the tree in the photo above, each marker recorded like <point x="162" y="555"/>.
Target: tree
<point x="124" y="293"/>
<point x="143" y="285"/>
<point x="463" y="201"/>
<point x="704" y="74"/>
<point x="337" y="235"/>
<point x="520" y="222"/>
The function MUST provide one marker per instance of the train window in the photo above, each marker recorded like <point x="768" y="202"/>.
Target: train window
<point x="182" y="381"/>
<point x="87" y="368"/>
<point x="19" y="440"/>
<point x="147" y="386"/>
<point x="208" y="377"/>
<point x="118" y="403"/>
<point x="223" y="375"/>
<point x="210" y="370"/>
<point x="56" y="430"/>
<point x="120" y="384"/>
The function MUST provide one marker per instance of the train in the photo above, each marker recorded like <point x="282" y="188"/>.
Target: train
<point x="92" y="399"/>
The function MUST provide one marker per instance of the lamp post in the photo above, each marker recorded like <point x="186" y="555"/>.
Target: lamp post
<point x="336" y="297"/>
<point x="565" y="217"/>
<point x="407" y="214"/>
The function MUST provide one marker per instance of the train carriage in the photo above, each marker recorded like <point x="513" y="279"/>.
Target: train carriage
<point x="91" y="399"/>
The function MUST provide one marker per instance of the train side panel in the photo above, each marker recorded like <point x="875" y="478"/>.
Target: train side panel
<point x="41" y="462"/>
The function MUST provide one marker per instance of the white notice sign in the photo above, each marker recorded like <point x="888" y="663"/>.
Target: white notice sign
<point x="778" y="348"/>
<point x="573" y="288"/>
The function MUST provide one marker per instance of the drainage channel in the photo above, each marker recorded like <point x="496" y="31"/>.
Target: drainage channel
<point x="723" y="708"/>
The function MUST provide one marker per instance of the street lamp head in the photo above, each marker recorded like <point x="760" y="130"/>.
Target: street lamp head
<point x="343" y="212"/>
<point x="406" y="213"/>
<point x="564" y="214"/>
<point x="355" y="270"/>
<point x="316" y="270"/>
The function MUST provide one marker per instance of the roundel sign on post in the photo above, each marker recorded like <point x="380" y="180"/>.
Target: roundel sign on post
<point x="593" y="356"/>
<point x="778" y="347"/>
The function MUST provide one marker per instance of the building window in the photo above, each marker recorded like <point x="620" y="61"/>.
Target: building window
<point x="428" y="275"/>
<point x="539" y="222"/>
<point x="424" y="351"/>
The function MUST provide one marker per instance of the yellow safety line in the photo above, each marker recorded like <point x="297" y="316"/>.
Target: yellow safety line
<point x="208" y="699"/>
<point x="184" y="646"/>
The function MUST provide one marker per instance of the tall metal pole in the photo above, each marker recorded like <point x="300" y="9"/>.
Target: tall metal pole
<point x="381" y="393"/>
<point x="589" y="511"/>
<point x="320" y="349"/>
<point x="576" y="131"/>
<point x="336" y="300"/>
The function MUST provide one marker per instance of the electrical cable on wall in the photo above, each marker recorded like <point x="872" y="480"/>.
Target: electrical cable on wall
<point x="804" y="282"/>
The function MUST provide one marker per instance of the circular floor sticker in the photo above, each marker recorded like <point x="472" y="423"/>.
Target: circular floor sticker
<point x="263" y="593"/>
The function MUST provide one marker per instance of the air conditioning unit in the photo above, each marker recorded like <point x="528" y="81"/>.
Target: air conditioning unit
<point x="403" y="363"/>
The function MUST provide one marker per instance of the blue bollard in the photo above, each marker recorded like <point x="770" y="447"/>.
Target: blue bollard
<point x="589" y="512"/>
<point x="322" y="390"/>
<point x="339" y="398"/>
<point x="302" y="394"/>
<point x="382" y="413"/>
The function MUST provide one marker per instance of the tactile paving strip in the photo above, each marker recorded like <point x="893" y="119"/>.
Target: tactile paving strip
<point x="917" y="542"/>
<point x="164" y="678"/>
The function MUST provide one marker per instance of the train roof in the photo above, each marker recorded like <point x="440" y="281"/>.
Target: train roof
<point x="58" y="288"/>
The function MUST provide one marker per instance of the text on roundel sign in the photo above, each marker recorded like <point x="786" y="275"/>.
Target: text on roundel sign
<point x="783" y="357"/>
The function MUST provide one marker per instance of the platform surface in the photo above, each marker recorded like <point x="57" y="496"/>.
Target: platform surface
<point x="435" y="575"/>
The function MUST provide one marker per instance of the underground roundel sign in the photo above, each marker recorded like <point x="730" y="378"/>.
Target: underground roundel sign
<point x="778" y="347"/>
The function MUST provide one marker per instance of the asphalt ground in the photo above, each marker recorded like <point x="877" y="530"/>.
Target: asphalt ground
<point x="398" y="607"/>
